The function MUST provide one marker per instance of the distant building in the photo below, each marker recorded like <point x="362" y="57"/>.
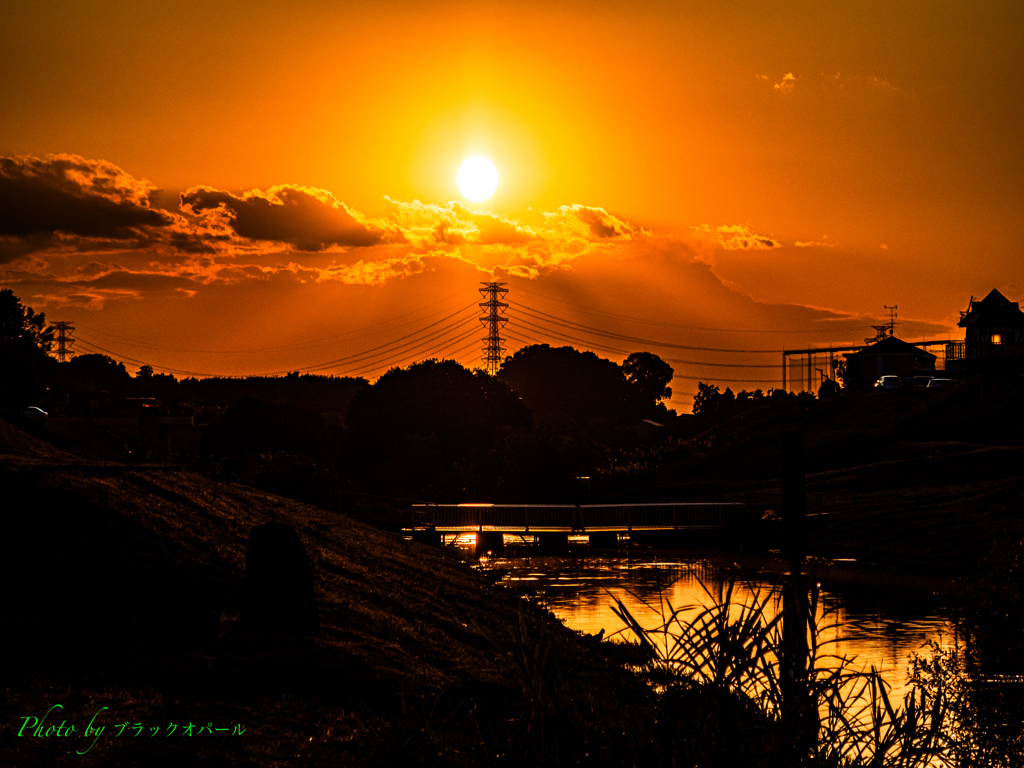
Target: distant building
<point x="888" y="357"/>
<point x="993" y="339"/>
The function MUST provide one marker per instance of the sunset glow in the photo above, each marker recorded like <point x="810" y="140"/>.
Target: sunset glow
<point x="693" y="325"/>
<point x="262" y="200"/>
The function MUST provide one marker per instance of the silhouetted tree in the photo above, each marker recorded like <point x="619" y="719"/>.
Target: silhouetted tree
<point x="828" y="388"/>
<point x="148" y="383"/>
<point x="539" y="466"/>
<point x="559" y="383"/>
<point x="98" y="372"/>
<point x="745" y="398"/>
<point x="650" y="374"/>
<point x="253" y="427"/>
<point x="415" y="423"/>
<point x="323" y="394"/>
<point x="21" y="326"/>
<point x="702" y="401"/>
<point x="711" y="403"/>
<point x="25" y="366"/>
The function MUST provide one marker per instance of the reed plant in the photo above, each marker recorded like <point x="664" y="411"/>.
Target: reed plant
<point x="730" y="696"/>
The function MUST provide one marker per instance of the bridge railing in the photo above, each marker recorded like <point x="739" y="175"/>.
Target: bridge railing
<point x="528" y="518"/>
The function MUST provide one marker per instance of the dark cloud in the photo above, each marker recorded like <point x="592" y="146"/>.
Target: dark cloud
<point x="191" y="242"/>
<point x="96" y="284"/>
<point x="133" y="283"/>
<point x="491" y="228"/>
<point x="309" y="219"/>
<point x="12" y="248"/>
<point x="600" y="225"/>
<point x="739" y="237"/>
<point x="72" y="195"/>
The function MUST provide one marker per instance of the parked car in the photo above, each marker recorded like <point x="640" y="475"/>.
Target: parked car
<point x="941" y="383"/>
<point x="889" y="382"/>
<point x="920" y="382"/>
<point x="32" y="412"/>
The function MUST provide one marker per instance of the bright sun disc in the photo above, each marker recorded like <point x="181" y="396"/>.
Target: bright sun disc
<point x="477" y="179"/>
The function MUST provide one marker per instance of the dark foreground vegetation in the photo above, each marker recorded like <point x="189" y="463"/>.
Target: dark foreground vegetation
<point x="125" y="588"/>
<point x="124" y="555"/>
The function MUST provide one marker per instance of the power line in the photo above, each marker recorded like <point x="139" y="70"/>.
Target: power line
<point x="424" y="341"/>
<point x="118" y="356"/>
<point x="385" y="350"/>
<point x="372" y="352"/>
<point x="602" y="347"/>
<point x="419" y="354"/>
<point x="527" y="339"/>
<point x="634" y="339"/>
<point x="378" y="351"/>
<point x="299" y="345"/>
<point x="425" y="354"/>
<point x="362" y="362"/>
<point x="631" y="318"/>
<point x="668" y="360"/>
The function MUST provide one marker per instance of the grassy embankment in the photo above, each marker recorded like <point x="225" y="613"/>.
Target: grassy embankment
<point x="123" y="586"/>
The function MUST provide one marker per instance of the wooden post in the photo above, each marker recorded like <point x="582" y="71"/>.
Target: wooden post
<point x="794" y="500"/>
<point x="798" y="709"/>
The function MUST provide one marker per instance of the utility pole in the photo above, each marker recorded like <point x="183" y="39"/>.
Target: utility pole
<point x="65" y="340"/>
<point x="494" y="319"/>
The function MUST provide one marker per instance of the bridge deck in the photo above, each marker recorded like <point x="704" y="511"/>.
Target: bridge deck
<point x="570" y="518"/>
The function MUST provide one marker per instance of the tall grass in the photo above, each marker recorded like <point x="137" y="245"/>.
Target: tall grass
<point x="724" y="679"/>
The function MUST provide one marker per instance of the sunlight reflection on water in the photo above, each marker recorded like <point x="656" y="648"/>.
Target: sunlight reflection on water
<point x="880" y="627"/>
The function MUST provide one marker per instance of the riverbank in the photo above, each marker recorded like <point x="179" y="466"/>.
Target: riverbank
<point x="916" y="481"/>
<point x="124" y="591"/>
<point x="122" y="606"/>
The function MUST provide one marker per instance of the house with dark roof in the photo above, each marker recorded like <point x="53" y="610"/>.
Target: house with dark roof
<point x="888" y="357"/>
<point x="993" y="338"/>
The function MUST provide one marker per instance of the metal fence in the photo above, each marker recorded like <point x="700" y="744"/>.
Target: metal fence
<point x="568" y="518"/>
<point x="964" y="350"/>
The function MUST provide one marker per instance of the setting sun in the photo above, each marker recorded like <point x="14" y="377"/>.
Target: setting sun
<point x="477" y="179"/>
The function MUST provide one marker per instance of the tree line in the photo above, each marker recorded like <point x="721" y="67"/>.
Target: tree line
<point x="431" y="430"/>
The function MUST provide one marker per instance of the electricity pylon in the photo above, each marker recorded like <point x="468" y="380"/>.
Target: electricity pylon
<point x="65" y="340"/>
<point x="494" y="345"/>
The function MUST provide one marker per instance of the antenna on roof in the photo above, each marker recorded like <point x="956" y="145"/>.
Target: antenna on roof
<point x="882" y="332"/>
<point x="892" y="319"/>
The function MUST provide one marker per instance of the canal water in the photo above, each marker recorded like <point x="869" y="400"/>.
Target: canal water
<point x="871" y="624"/>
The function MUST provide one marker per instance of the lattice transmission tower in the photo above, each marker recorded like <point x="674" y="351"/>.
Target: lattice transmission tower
<point x="65" y="340"/>
<point x="494" y="319"/>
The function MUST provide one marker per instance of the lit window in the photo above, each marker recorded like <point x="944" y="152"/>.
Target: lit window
<point x="997" y="338"/>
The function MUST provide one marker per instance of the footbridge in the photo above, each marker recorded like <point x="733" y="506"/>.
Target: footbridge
<point x="553" y="523"/>
<point x="572" y="518"/>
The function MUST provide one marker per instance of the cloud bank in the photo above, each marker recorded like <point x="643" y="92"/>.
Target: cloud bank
<point x="87" y="232"/>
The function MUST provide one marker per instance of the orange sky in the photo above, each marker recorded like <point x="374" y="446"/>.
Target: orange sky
<point x="254" y="187"/>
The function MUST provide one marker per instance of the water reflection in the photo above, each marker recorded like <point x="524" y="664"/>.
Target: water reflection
<point x="881" y="627"/>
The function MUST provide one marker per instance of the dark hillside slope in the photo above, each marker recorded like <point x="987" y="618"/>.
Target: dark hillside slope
<point x="123" y="588"/>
